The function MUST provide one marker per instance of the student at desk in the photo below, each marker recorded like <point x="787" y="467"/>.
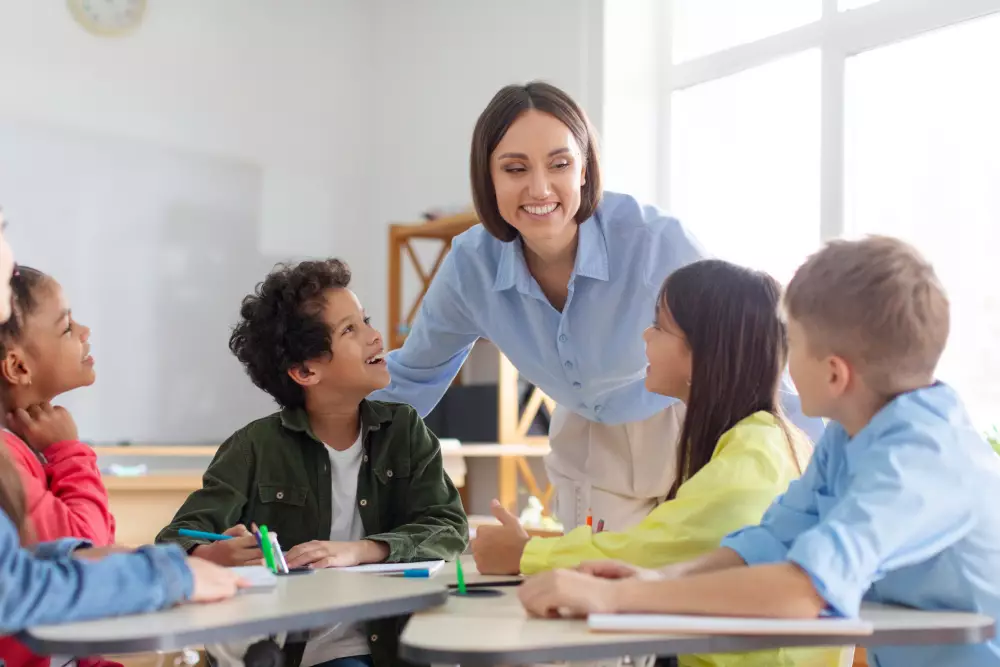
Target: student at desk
<point x="342" y="480"/>
<point x="46" y="584"/>
<point x="718" y="344"/>
<point x="45" y="352"/>
<point x="899" y="503"/>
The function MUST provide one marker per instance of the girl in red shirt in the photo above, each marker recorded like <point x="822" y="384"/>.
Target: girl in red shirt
<point x="44" y="352"/>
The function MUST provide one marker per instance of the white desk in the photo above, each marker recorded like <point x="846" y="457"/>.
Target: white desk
<point x="299" y="602"/>
<point x="496" y="631"/>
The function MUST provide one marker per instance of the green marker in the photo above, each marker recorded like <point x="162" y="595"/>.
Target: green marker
<point x="460" y="576"/>
<point x="265" y="546"/>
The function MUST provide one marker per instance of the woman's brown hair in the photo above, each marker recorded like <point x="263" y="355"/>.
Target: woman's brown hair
<point x="505" y="107"/>
<point x="730" y="316"/>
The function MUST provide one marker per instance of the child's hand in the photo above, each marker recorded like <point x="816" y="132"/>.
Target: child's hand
<point x="612" y="569"/>
<point x="498" y="549"/>
<point x="241" y="550"/>
<point x="319" y="554"/>
<point x="211" y="582"/>
<point x="42" y="425"/>
<point x="568" y="593"/>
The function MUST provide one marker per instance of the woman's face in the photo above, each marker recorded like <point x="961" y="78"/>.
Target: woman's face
<point x="669" y="356"/>
<point x="538" y="169"/>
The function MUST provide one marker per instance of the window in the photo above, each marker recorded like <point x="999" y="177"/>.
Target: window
<point x="745" y="163"/>
<point x="780" y="123"/>
<point x="705" y="26"/>
<point x="923" y="164"/>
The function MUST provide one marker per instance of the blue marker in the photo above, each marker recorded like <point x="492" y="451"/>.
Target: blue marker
<point x="201" y="535"/>
<point x="417" y="574"/>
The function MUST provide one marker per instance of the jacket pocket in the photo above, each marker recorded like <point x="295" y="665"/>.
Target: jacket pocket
<point x="284" y="494"/>
<point x="392" y="470"/>
<point x="283" y="509"/>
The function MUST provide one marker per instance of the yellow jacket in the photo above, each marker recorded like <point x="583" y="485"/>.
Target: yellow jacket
<point x="752" y="464"/>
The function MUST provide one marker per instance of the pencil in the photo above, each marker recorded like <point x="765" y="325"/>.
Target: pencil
<point x="202" y="535"/>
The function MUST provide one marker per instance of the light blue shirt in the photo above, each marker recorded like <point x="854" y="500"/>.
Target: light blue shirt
<point x="47" y="585"/>
<point x="905" y="512"/>
<point x="590" y="357"/>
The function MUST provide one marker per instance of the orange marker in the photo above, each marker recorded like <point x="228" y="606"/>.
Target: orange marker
<point x="590" y="519"/>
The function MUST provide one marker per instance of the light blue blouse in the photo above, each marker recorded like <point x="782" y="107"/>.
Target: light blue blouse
<point x="590" y="357"/>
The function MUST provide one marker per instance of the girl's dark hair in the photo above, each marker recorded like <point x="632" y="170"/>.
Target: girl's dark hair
<point x="731" y="319"/>
<point x="505" y="107"/>
<point x="24" y="299"/>
<point x="23" y="284"/>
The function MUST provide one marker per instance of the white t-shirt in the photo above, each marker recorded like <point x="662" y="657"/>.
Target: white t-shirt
<point x="342" y="640"/>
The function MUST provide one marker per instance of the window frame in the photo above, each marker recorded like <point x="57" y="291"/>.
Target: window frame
<point x="838" y="35"/>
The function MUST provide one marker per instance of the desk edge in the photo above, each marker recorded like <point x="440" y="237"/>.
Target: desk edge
<point x="200" y="636"/>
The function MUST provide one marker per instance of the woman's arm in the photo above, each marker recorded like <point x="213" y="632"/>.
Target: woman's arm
<point x="437" y="346"/>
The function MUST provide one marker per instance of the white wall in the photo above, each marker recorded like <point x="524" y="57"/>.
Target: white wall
<point x="343" y="115"/>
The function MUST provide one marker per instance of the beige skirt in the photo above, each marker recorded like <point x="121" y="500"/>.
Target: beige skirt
<point x="617" y="473"/>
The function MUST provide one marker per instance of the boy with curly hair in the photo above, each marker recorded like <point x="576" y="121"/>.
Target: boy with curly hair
<point x="342" y="480"/>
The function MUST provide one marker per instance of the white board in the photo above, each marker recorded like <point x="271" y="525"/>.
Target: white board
<point x="155" y="248"/>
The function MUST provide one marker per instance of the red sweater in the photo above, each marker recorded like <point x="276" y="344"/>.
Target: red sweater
<point x="65" y="498"/>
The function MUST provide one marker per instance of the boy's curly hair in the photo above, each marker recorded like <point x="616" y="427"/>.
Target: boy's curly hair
<point x="281" y="325"/>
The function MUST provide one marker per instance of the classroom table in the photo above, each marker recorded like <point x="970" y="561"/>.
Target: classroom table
<point x="298" y="603"/>
<point x="495" y="631"/>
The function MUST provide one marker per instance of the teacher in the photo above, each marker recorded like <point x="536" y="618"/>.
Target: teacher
<point x="563" y="279"/>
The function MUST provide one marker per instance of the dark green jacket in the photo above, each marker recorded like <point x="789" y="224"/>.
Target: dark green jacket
<point x="276" y="472"/>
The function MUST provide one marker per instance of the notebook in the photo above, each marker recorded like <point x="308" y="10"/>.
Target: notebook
<point x="726" y="625"/>
<point x="432" y="566"/>
<point x="259" y="577"/>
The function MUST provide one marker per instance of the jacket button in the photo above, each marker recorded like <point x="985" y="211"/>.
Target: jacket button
<point x="374" y="638"/>
<point x="279" y="495"/>
<point x="363" y="503"/>
<point x="366" y="458"/>
<point x="388" y="473"/>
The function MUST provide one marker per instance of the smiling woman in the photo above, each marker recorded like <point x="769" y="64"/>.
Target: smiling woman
<point x="563" y="278"/>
